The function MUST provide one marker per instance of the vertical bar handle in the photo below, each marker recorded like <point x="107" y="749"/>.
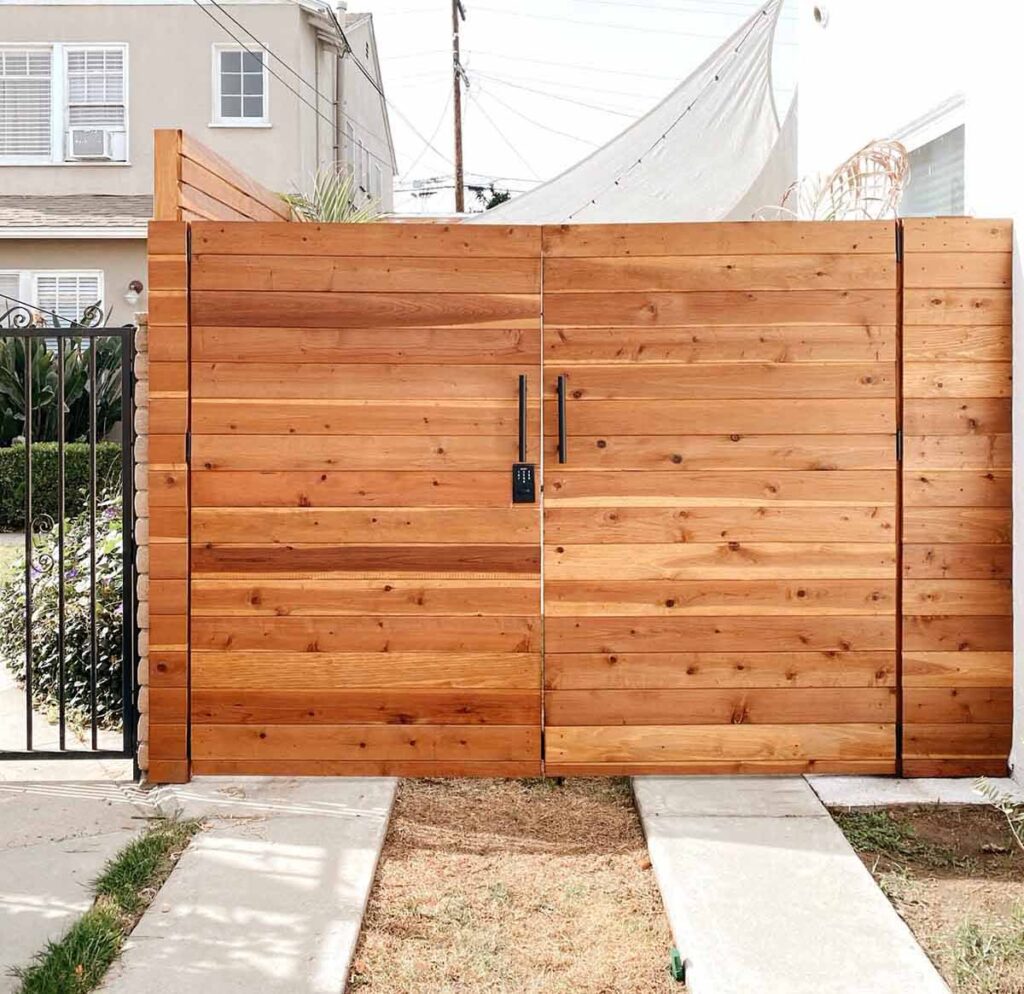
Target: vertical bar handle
<point x="522" y="417"/>
<point x="562" y="453"/>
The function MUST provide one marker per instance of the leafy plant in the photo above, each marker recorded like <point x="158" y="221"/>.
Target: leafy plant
<point x="332" y="198"/>
<point x="490" y="196"/>
<point x="45" y="373"/>
<point x="78" y="654"/>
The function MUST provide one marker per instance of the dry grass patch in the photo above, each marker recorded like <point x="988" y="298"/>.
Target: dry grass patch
<point x="494" y="886"/>
<point x="956" y="876"/>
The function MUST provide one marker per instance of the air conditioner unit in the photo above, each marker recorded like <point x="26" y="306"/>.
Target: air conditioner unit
<point x="89" y="143"/>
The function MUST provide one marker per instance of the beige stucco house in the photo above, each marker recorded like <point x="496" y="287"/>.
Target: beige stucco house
<point x="282" y="86"/>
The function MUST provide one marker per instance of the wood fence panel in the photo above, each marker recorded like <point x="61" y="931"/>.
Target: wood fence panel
<point x="166" y="484"/>
<point x="720" y="561"/>
<point x="957" y="610"/>
<point x="365" y="596"/>
<point x="194" y="183"/>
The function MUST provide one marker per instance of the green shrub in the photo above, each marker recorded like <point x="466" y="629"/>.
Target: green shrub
<point x="77" y="627"/>
<point x="44" y="479"/>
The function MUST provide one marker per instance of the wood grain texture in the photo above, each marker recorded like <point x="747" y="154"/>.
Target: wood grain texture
<point x="365" y="598"/>
<point x="721" y="537"/>
<point x="957" y="522"/>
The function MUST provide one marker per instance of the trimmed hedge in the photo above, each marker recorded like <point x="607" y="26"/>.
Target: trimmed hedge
<point x="44" y="479"/>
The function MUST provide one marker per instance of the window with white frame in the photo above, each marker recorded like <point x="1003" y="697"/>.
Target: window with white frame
<point x="63" y="103"/>
<point x="67" y="293"/>
<point x="376" y="182"/>
<point x="240" y="88"/>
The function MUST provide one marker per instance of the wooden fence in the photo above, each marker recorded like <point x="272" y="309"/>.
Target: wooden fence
<point x="776" y="530"/>
<point x="957" y="609"/>
<point x="720" y="562"/>
<point x="193" y="183"/>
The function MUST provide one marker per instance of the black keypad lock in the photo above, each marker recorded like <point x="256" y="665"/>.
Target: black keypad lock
<point x="524" y="483"/>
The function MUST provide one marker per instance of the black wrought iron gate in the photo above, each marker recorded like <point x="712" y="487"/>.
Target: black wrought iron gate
<point x="68" y="648"/>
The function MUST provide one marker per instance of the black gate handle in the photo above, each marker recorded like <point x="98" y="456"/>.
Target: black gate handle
<point x="522" y="417"/>
<point x="562" y="454"/>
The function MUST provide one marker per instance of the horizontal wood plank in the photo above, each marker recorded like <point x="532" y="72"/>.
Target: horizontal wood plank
<point x="736" y="633"/>
<point x="696" y="743"/>
<point x="639" y="670"/>
<point x="263" y="670"/>
<point x="786" y="706"/>
<point x="579" y="346"/>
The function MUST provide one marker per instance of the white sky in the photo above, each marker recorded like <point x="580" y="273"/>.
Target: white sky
<point x="534" y="66"/>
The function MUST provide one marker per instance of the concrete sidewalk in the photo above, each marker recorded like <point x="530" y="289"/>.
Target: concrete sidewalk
<point x="55" y="836"/>
<point x="270" y="897"/>
<point x="764" y="893"/>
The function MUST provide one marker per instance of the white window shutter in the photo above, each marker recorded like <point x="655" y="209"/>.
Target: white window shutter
<point x="68" y="294"/>
<point x="25" y="102"/>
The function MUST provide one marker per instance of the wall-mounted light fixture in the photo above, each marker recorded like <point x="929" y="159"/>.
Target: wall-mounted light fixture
<point x="134" y="291"/>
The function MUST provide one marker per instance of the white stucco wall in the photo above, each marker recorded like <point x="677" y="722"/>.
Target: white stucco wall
<point x="121" y="260"/>
<point x="170" y="59"/>
<point x="877" y="65"/>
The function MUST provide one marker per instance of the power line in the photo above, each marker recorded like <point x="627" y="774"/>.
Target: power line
<point x="745" y="9"/>
<point x="501" y="134"/>
<point x="508" y="77"/>
<point x="555" y="96"/>
<point x="426" y="145"/>
<point x="598" y="24"/>
<point x="573" y="65"/>
<point x="538" y="124"/>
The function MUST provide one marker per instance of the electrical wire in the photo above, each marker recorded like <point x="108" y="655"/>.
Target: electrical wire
<point x="572" y="65"/>
<point x="507" y="77"/>
<point x="538" y="124"/>
<point x="426" y="145"/>
<point x="555" y="96"/>
<point x="597" y="24"/>
<point x="501" y="134"/>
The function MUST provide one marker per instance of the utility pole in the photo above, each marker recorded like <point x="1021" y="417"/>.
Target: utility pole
<point x="458" y="77"/>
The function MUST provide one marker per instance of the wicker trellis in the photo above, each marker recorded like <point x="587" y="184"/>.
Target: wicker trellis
<point x="866" y="187"/>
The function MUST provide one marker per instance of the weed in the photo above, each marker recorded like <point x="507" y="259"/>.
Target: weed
<point x="883" y="833"/>
<point x="986" y="955"/>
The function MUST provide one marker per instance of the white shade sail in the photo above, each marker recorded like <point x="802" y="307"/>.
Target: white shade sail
<point x="710" y="148"/>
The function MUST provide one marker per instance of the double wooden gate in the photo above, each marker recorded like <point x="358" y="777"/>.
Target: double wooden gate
<point x="709" y="580"/>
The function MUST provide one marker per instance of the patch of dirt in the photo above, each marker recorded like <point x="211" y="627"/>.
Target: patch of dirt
<point x="514" y="887"/>
<point x="956" y="876"/>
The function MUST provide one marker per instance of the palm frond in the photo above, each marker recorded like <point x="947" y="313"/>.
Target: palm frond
<point x="333" y="197"/>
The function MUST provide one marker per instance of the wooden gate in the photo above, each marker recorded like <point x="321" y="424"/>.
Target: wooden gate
<point x="745" y="566"/>
<point x="720" y="529"/>
<point x="365" y="597"/>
